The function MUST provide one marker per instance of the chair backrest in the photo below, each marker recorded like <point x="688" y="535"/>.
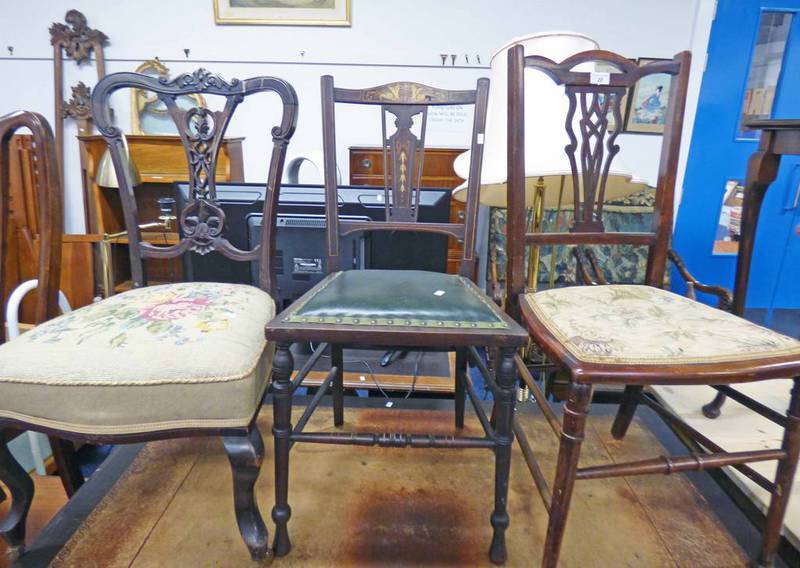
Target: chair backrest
<point x="202" y="130"/>
<point x="50" y="201"/>
<point x="403" y="159"/>
<point x="591" y="151"/>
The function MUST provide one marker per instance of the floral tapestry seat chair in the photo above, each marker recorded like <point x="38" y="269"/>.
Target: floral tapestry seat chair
<point x="165" y="361"/>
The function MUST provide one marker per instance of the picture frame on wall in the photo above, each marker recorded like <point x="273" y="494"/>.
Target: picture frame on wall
<point x="283" y="12"/>
<point x="647" y="102"/>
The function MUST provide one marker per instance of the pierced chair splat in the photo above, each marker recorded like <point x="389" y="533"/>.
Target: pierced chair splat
<point x="633" y="335"/>
<point x="405" y="309"/>
<point x="165" y="361"/>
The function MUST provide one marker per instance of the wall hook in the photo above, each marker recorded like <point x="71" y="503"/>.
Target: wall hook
<point x="302" y="54"/>
<point x="453" y="59"/>
<point x="466" y="58"/>
<point x="186" y="51"/>
<point x="478" y="57"/>
<point x="444" y="58"/>
<point x="10" y="50"/>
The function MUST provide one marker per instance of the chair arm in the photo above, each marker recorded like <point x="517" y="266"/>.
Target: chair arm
<point x="724" y="295"/>
<point x="588" y="268"/>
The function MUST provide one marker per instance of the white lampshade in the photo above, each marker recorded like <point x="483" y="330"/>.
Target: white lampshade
<point x="545" y="134"/>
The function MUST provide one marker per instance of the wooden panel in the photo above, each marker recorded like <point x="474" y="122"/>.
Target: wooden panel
<point x="366" y="168"/>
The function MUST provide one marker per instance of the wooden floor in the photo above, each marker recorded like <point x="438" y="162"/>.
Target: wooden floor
<point x="48" y="498"/>
<point x="374" y="506"/>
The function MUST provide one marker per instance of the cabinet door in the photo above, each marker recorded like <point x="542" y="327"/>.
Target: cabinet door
<point x="753" y="55"/>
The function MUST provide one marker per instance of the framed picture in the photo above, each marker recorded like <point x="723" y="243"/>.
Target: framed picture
<point x="648" y="100"/>
<point x="729" y="226"/>
<point x="283" y="12"/>
<point x="148" y="114"/>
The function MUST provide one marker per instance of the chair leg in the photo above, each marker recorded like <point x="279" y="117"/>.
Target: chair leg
<point x="575" y="411"/>
<point x="504" y="419"/>
<point x="20" y="485"/>
<point x="282" y="367"/>
<point x="783" y="481"/>
<point x="461" y="370"/>
<point x="714" y="408"/>
<point x="337" y="360"/>
<point x="65" y="457"/>
<point x="246" y="453"/>
<point x="626" y="411"/>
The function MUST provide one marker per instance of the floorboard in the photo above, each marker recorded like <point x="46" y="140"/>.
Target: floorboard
<point x="367" y="506"/>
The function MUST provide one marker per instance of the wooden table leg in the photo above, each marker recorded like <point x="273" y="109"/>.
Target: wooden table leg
<point x="282" y="367"/>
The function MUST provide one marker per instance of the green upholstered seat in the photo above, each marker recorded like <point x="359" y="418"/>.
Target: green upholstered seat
<point x="397" y="298"/>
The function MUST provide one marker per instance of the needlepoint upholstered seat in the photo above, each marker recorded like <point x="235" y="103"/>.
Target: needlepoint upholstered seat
<point x="643" y="325"/>
<point x="399" y="298"/>
<point x="182" y="355"/>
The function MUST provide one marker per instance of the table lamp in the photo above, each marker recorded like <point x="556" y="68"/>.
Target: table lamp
<point x="548" y="176"/>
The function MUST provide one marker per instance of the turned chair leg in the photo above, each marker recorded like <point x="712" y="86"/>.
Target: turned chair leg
<point x="246" y="453"/>
<point x="337" y="360"/>
<point x="630" y="400"/>
<point x="282" y="367"/>
<point x="714" y="408"/>
<point x="461" y="371"/>
<point x="575" y="411"/>
<point x="504" y="419"/>
<point x="20" y="485"/>
<point x="783" y="481"/>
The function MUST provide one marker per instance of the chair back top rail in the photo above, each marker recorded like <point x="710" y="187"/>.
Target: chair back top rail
<point x="50" y="201"/>
<point x="592" y="147"/>
<point x="403" y="103"/>
<point x="201" y="220"/>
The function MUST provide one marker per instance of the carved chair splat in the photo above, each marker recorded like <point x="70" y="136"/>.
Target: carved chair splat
<point x="600" y="347"/>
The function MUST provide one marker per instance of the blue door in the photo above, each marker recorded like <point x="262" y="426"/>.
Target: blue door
<point x="752" y="71"/>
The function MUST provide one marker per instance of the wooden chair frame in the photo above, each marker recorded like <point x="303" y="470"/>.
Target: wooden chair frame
<point x="401" y="150"/>
<point x="588" y="229"/>
<point x="202" y="222"/>
<point x="51" y="226"/>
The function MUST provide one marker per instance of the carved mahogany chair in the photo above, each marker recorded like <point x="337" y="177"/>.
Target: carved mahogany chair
<point x="633" y="335"/>
<point x="166" y="361"/>
<point x="405" y="309"/>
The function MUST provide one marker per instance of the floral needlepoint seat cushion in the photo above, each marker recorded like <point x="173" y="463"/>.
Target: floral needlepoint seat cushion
<point x="173" y="356"/>
<point x="642" y="325"/>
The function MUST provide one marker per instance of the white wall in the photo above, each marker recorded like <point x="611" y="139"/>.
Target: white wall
<point x="388" y="41"/>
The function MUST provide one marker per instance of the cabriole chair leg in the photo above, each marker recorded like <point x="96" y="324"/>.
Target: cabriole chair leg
<point x="575" y="411"/>
<point x="20" y="485"/>
<point x="783" y="481"/>
<point x="282" y="367"/>
<point x="246" y="454"/>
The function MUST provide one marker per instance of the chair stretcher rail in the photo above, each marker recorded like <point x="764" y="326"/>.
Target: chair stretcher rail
<point x="309" y="364"/>
<point x="392" y="440"/>
<point x="533" y="465"/>
<point x="538" y="396"/>
<point x="675" y="464"/>
<point x="699" y="439"/>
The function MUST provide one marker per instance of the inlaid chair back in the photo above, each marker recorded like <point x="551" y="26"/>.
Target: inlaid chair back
<point x="49" y="199"/>
<point x="592" y="100"/>
<point x="201" y="220"/>
<point x="402" y="104"/>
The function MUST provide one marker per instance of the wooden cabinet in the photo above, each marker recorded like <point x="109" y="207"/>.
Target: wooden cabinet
<point x="161" y="161"/>
<point x="366" y="168"/>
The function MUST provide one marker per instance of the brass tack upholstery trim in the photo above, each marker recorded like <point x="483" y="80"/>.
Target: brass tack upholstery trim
<point x="293" y="316"/>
